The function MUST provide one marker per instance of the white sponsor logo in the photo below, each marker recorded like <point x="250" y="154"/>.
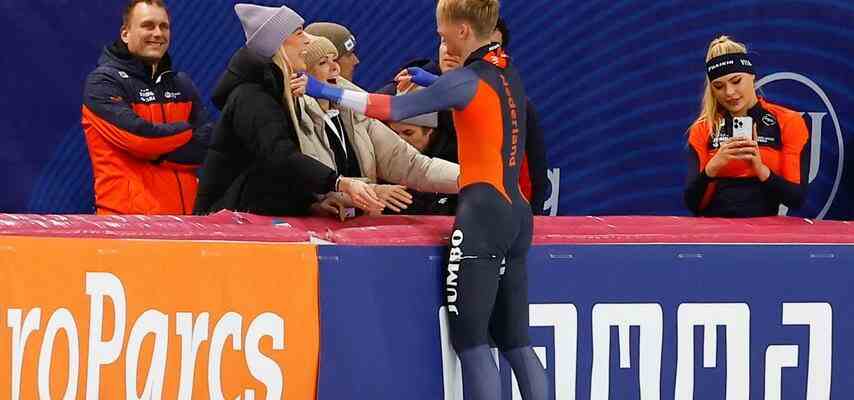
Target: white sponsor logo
<point x="123" y="75"/>
<point x="816" y="119"/>
<point x="768" y="120"/>
<point x="171" y="95"/>
<point x="146" y="95"/>
<point x="105" y="348"/>
<point x="454" y="263"/>
<point x="648" y="318"/>
<point x="721" y="64"/>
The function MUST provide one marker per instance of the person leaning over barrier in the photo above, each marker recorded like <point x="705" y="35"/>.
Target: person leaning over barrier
<point x="743" y="176"/>
<point x="254" y="163"/>
<point x="425" y="134"/>
<point x="340" y="139"/>
<point x="146" y="128"/>
<point x="404" y="165"/>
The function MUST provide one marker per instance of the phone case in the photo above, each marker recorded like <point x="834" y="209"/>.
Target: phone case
<point x="742" y="127"/>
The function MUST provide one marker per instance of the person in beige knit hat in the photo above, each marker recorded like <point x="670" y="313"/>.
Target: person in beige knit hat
<point x="320" y="56"/>
<point x="320" y="62"/>
<point x="360" y="147"/>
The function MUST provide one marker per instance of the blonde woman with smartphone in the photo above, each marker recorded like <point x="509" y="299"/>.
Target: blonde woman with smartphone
<point x="747" y="155"/>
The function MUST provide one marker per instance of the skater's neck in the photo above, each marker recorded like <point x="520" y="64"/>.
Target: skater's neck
<point x="472" y="46"/>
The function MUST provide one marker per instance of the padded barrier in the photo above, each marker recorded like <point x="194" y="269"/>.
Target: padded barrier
<point x="226" y="226"/>
<point x="418" y="231"/>
<point x="787" y="305"/>
<point x="428" y="231"/>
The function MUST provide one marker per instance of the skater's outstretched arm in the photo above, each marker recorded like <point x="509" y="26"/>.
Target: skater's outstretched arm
<point x="454" y="90"/>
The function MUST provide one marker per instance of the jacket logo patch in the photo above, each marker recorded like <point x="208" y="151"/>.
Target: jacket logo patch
<point x="768" y="120"/>
<point x="117" y="99"/>
<point x="146" y="95"/>
<point x="171" y="95"/>
<point x="767" y="140"/>
<point x="123" y="75"/>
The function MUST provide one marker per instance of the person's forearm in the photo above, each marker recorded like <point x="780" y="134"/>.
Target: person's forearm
<point x="695" y="190"/>
<point x="373" y="105"/>
<point x="789" y="194"/>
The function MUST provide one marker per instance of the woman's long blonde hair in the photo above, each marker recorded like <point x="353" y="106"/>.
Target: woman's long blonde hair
<point x="709" y="107"/>
<point x="281" y="60"/>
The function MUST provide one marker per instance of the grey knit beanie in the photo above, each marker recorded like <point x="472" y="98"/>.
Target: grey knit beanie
<point x="430" y="120"/>
<point x="267" y="27"/>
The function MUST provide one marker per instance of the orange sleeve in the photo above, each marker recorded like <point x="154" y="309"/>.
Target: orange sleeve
<point x="149" y="148"/>
<point x="795" y="136"/>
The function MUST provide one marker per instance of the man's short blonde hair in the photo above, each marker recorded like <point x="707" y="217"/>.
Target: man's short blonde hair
<point x="481" y="15"/>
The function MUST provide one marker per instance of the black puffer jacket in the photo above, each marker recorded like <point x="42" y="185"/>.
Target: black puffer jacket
<point x="254" y="163"/>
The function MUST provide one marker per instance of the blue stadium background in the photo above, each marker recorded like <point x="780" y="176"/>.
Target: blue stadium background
<point x="616" y="83"/>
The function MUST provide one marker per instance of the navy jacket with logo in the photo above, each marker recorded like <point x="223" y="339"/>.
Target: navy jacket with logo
<point x="146" y="135"/>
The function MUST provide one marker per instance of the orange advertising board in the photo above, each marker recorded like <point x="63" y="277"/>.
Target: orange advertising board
<point x="138" y="319"/>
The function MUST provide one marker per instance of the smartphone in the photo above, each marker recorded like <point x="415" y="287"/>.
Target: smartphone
<point x="742" y="128"/>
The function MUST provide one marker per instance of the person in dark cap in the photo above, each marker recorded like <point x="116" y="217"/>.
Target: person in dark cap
<point x="344" y="42"/>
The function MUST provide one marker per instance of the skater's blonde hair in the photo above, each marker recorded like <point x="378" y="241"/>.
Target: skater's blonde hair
<point x="481" y="15"/>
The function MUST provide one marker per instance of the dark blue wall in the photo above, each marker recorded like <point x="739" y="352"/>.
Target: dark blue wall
<point x="381" y="336"/>
<point x="616" y="84"/>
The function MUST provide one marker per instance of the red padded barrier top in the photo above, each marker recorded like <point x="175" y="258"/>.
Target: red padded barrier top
<point x="385" y="230"/>
<point x="415" y="231"/>
<point x="225" y="226"/>
<point x="396" y="231"/>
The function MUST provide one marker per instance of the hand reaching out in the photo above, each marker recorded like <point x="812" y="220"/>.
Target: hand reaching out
<point x="414" y="75"/>
<point x="395" y="197"/>
<point x="362" y="194"/>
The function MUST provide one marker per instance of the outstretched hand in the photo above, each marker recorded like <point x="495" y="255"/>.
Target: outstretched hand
<point x="421" y="77"/>
<point x="395" y="197"/>
<point x="362" y="194"/>
<point x="318" y="89"/>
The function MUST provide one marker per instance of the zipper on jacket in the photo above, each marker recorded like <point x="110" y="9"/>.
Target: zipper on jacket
<point x="163" y="113"/>
<point x="180" y="193"/>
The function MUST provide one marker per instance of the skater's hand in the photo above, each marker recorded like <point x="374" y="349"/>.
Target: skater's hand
<point x="421" y="77"/>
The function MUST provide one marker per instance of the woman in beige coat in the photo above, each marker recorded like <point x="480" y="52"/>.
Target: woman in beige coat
<point x="370" y="148"/>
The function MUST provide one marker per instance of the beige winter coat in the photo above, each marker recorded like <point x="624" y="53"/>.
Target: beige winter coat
<point x="382" y="154"/>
